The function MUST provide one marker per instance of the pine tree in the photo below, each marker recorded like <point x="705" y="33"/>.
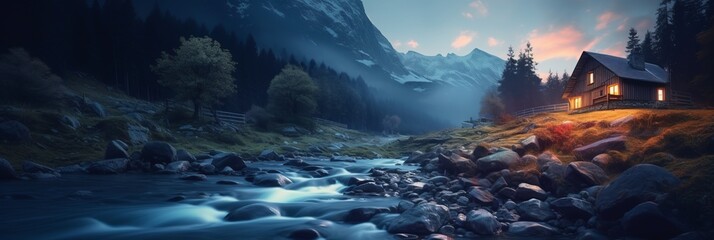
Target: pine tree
<point x="647" y="51"/>
<point x="508" y="82"/>
<point x="662" y="39"/>
<point x="633" y="43"/>
<point x="687" y="22"/>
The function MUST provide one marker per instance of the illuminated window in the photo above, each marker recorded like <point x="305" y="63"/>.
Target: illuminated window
<point x="660" y="94"/>
<point x="577" y="102"/>
<point x="591" y="78"/>
<point x="614" y="89"/>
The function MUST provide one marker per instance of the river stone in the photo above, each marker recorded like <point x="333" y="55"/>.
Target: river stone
<point x="500" y="160"/>
<point x="116" y="149"/>
<point x="547" y="157"/>
<point x="137" y="134"/>
<point x="535" y="210"/>
<point x="531" y="143"/>
<point x="194" y="177"/>
<point x="588" y="152"/>
<point x="6" y="170"/>
<point x="499" y="184"/>
<point x="369" y="187"/>
<point x="505" y="215"/>
<point x="70" y="122"/>
<point x="531" y="229"/>
<point x="481" y="195"/>
<point x="269" y="155"/>
<point x="455" y="164"/>
<point x="109" y="166"/>
<point x="183" y="155"/>
<point x="641" y="183"/>
<point x="158" y="152"/>
<point x="97" y="109"/>
<point x="178" y="166"/>
<point x="360" y="215"/>
<point x="271" y="180"/>
<point x="14" y="132"/>
<point x="585" y="174"/>
<point x="506" y="193"/>
<point x="223" y="160"/>
<point x="483" y="222"/>
<point x="438" y="236"/>
<point x="527" y="191"/>
<point x="480" y="151"/>
<point x="305" y="234"/>
<point x="343" y="159"/>
<point x="572" y="208"/>
<point x="422" y="219"/>
<point x="252" y="211"/>
<point x="418" y="157"/>
<point x="39" y="171"/>
<point x="553" y="175"/>
<point x="647" y="221"/>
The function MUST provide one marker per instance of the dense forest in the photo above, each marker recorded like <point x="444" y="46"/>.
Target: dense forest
<point x="109" y="41"/>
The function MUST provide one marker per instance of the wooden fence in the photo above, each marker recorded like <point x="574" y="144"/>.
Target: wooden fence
<point x="328" y="122"/>
<point x="229" y="117"/>
<point x="561" y="107"/>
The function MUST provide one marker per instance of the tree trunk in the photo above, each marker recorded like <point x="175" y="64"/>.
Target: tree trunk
<point x="196" y="109"/>
<point x="215" y="114"/>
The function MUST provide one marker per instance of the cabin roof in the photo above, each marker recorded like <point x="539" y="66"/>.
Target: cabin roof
<point x="620" y="67"/>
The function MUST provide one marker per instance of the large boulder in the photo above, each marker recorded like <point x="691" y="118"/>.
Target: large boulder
<point x="455" y="164"/>
<point x="14" y="132"/>
<point x="252" y="211"/>
<point x="585" y="174"/>
<point x="527" y="191"/>
<point x="418" y="157"/>
<point x="552" y="177"/>
<point x="588" y="152"/>
<point x="183" y="155"/>
<point x="503" y="159"/>
<point x="531" y="143"/>
<point x="641" y="183"/>
<point x="36" y="170"/>
<point x="6" y="170"/>
<point x="647" y="221"/>
<point x="531" y="229"/>
<point x="369" y="187"/>
<point x="158" y="152"/>
<point x="535" y="210"/>
<point x="270" y="155"/>
<point x="482" y="222"/>
<point x="178" y="166"/>
<point x="364" y="214"/>
<point x="481" y="195"/>
<point x="137" y="134"/>
<point x="422" y="219"/>
<point x="271" y="180"/>
<point x="116" y="149"/>
<point x="109" y="166"/>
<point x="480" y="151"/>
<point x="572" y="208"/>
<point x="547" y="157"/>
<point x="223" y="160"/>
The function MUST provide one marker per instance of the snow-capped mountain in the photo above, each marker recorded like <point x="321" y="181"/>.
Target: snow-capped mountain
<point x="476" y="69"/>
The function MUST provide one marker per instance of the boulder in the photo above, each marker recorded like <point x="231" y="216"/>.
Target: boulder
<point x="6" y="170"/>
<point x="252" y="211"/>
<point x="503" y="159"/>
<point x="223" y="160"/>
<point x="547" y="157"/>
<point x="535" y="210"/>
<point x="418" y="157"/>
<point x="527" y="191"/>
<point x="14" y="132"/>
<point x="588" y="152"/>
<point x="499" y="184"/>
<point x="531" y="229"/>
<point x="342" y="159"/>
<point x="97" y="109"/>
<point x="109" y="166"/>
<point x="482" y="222"/>
<point x="71" y="169"/>
<point x="158" y="152"/>
<point x="585" y="174"/>
<point x="572" y="208"/>
<point x="39" y="171"/>
<point x="647" y="221"/>
<point x="455" y="164"/>
<point x="369" y="187"/>
<point x="506" y="193"/>
<point x="70" y="122"/>
<point x="640" y="183"/>
<point x="505" y="215"/>
<point x="305" y="234"/>
<point x="360" y="215"/>
<point x="137" y="134"/>
<point x="553" y="175"/>
<point x="271" y="180"/>
<point x="422" y="219"/>
<point x="481" y="195"/>
<point x="480" y="151"/>
<point x="607" y="162"/>
<point x="621" y="121"/>
<point x="269" y="155"/>
<point x="531" y="143"/>
<point x="178" y="166"/>
<point x="193" y="177"/>
<point x="116" y="149"/>
<point x="183" y="155"/>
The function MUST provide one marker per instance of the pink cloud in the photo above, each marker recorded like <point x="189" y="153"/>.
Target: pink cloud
<point x="463" y="39"/>
<point x="643" y="25"/>
<point x="396" y="43"/>
<point x="615" y="50"/>
<point x="492" y="42"/>
<point x="467" y="15"/>
<point x="479" y="7"/>
<point x="604" y="19"/>
<point x="413" y="44"/>
<point x="567" y="43"/>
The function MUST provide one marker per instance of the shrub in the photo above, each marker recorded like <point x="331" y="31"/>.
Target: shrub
<point x="259" y="117"/>
<point x="291" y="96"/>
<point x="558" y="136"/>
<point x="24" y="79"/>
<point x="492" y="107"/>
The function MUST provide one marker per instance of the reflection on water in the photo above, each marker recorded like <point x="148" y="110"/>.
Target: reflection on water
<point x="136" y="207"/>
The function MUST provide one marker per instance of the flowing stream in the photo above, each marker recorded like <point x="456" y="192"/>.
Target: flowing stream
<point x="137" y="206"/>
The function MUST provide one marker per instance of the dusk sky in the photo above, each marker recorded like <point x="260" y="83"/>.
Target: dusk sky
<point x="559" y="30"/>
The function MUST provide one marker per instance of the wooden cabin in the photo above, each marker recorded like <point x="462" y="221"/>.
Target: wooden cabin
<point x="603" y="81"/>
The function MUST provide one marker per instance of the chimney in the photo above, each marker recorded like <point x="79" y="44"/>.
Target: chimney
<point x="636" y="61"/>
